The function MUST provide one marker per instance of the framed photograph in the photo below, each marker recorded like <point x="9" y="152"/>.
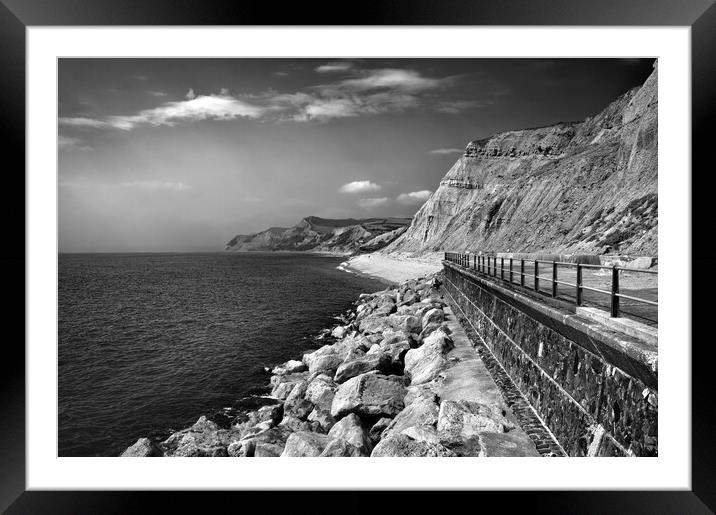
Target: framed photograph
<point x="429" y="236"/>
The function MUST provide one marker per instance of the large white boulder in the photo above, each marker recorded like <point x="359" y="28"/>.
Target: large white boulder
<point x="369" y="394"/>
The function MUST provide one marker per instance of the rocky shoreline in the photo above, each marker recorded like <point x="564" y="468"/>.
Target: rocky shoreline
<point x="373" y="392"/>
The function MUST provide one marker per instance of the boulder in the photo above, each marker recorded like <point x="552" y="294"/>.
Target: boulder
<point x="296" y="404"/>
<point x="392" y="336"/>
<point x="320" y="392"/>
<point x="375" y="349"/>
<point x="337" y="448"/>
<point x="419" y="392"/>
<point x="290" y="367"/>
<point x="282" y="390"/>
<point x="323" y="418"/>
<point x="460" y="424"/>
<point x="257" y="429"/>
<point x="369" y="394"/>
<point x="434" y="315"/>
<point x="409" y="297"/>
<point x="350" y="429"/>
<point x="420" y="413"/>
<point x="325" y="364"/>
<point x="377" y="429"/>
<point x="143" y="448"/>
<point x="373" y="324"/>
<point x="354" y="354"/>
<point x="405" y="323"/>
<point x="201" y="439"/>
<point x="422" y="434"/>
<point x="294" y="424"/>
<point x="305" y="443"/>
<point x="272" y="414"/>
<point x="361" y="365"/>
<point x="427" y="362"/>
<point x="283" y="384"/>
<point x="293" y="378"/>
<point x="340" y="331"/>
<point x="401" y="445"/>
<point x="267" y="444"/>
<point x="396" y="351"/>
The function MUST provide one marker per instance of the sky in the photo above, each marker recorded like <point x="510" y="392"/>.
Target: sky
<point x="183" y="154"/>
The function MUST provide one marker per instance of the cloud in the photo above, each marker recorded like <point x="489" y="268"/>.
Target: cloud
<point x="140" y="77"/>
<point x="445" y="151"/>
<point x="157" y="185"/>
<point x="280" y="74"/>
<point x="202" y="107"/>
<point x="359" y="187"/>
<point x="364" y="92"/>
<point x="65" y="142"/>
<point x="392" y="78"/>
<point x="370" y="203"/>
<point x="414" y="197"/>
<point x="457" y="106"/>
<point x="335" y="67"/>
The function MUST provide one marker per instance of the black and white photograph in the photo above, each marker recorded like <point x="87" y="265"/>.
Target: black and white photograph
<point x="357" y="257"/>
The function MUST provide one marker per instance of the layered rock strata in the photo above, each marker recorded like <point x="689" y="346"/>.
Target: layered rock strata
<point x="570" y="188"/>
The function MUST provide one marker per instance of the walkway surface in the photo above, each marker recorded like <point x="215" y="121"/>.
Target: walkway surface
<point x="468" y="379"/>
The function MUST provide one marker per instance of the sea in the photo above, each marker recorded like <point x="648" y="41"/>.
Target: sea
<point x="150" y="342"/>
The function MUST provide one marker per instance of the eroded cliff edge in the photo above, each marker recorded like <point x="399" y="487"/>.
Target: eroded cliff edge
<point x="587" y="187"/>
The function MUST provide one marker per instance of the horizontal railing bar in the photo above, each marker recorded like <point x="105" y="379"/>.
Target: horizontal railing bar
<point x="637" y="299"/>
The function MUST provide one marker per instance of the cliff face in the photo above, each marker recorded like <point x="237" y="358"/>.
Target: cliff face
<point x="588" y="187"/>
<point x="324" y="235"/>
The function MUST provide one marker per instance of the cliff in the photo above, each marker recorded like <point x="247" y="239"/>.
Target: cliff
<point x="583" y="187"/>
<point x="324" y="235"/>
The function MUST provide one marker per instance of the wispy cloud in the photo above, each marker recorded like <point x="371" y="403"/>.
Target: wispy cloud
<point x="446" y="151"/>
<point x="202" y="107"/>
<point x="335" y="67"/>
<point x="457" y="106"/>
<point x="392" y="78"/>
<point x="370" y="203"/>
<point x="65" y="142"/>
<point x="414" y="197"/>
<point x="362" y="92"/>
<point x="359" y="187"/>
<point x="157" y="185"/>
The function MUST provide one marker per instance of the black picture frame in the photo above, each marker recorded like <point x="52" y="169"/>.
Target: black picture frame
<point x="16" y="15"/>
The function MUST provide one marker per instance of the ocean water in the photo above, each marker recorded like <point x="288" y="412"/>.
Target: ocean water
<point x="149" y="342"/>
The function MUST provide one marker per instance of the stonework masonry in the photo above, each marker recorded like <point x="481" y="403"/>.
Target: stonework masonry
<point x="595" y="392"/>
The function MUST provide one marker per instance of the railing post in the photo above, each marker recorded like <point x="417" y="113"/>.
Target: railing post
<point x="502" y="268"/>
<point x="510" y="270"/>
<point x="579" y="284"/>
<point x="522" y="272"/>
<point x="554" y="278"/>
<point x="536" y="275"/>
<point x="615" y="291"/>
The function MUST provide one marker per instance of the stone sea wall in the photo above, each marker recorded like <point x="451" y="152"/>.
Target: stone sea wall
<point x="582" y="392"/>
<point x="373" y="392"/>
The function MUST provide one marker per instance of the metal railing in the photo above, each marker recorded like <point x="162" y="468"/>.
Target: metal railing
<point x="487" y="265"/>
